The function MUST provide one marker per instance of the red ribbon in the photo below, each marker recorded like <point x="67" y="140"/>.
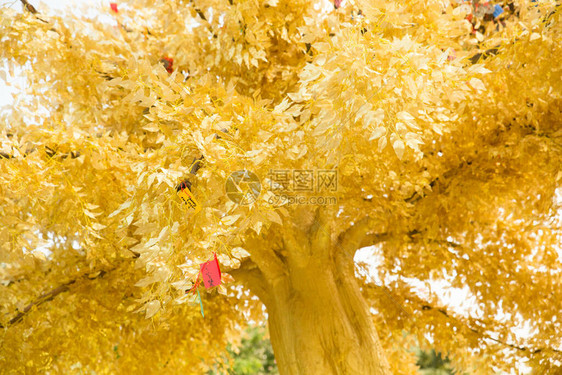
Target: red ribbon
<point x="195" y="285"/>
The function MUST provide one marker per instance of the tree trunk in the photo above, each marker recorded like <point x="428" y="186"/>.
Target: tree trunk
<point x="319" y="322"/>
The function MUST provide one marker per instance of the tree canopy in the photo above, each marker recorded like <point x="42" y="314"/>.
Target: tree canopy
<point x="450" y="169"/>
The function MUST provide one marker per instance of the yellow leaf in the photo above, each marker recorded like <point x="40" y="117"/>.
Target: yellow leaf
<point x="274" y="217"/>
<point x="121" y="208"/>
<point x="151" y="127"/>
<point x="377" y="133"/>
<point x="222" y="290"/>
<point x="152" y="308"/>
<point x="477" y="84"/>
<point x="151" y="242"/>
<point x="404" y="116"/>
<point x="382" y="143"/>
<point x="144" y="282"/>
<point x="398" y="146"/>
<point x="98" y="226"/>
<point x="129" y="218"/>
<point x="90" y="214"/>
<point x="90" y="206"/>
<point x="229" y="220"/>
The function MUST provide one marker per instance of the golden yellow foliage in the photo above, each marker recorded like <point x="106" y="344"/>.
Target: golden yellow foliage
<point x="452" y="169"/>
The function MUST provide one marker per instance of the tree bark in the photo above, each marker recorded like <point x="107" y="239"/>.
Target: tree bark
<point x="319" y="322"/>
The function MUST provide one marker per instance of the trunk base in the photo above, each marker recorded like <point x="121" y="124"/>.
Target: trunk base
<point x="320" y="324"/>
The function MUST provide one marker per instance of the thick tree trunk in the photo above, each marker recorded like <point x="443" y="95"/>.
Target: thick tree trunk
<point x="320" y="324"/>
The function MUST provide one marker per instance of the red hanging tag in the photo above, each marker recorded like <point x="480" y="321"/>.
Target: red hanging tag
<point x="218" y="266"/>
<point x="113" y="7"/>
<point x="211" y="273"/>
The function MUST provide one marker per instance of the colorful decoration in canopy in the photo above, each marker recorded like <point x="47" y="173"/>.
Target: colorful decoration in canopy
<point x="480" y="14"/>
<point x="211" y="273"/>
<point x="498" y="10"/>
<point x="184" y="192"/>
<point x="168" y="64"/>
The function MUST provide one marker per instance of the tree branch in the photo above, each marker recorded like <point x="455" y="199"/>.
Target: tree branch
<point x="483" y="55"/>
<point x="251" y="276"/>
<point x="265" y="258"/>
<point x="202" y="16"/>
<point x="425" y="306"/>
<point x="372" y="239"/>
<point x="49" y="151"/>
<point x="31" y="9"/>
<point x="417" y="196"/>
<point x="51" y="295"/>
<point x="358" y="236"/>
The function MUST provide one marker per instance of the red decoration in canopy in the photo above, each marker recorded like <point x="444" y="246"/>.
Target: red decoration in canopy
<point x="211" y="273"/>
<point x="337" y="3"/>
<point x="168" y="64"/>
<point x="113" y="7"/>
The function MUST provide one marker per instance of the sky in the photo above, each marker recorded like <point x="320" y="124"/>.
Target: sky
<point x="13" y="84"/>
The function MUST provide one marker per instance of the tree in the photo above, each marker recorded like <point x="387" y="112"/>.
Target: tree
<point x="253" y="357"/>
<point x="449" y="170"/>
<point x="432" y="363"/>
